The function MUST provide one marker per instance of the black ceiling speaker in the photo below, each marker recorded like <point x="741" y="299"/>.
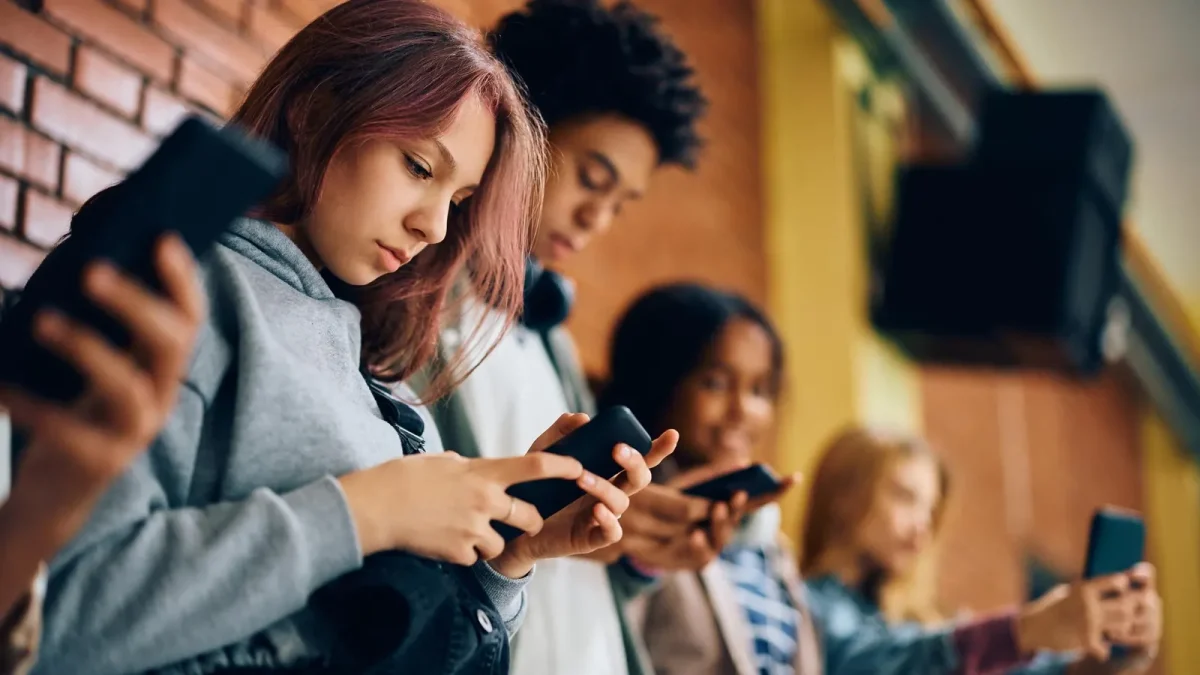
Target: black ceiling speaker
<point x="1011" y="259"/>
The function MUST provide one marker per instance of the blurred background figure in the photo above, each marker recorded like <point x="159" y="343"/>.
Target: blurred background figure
<point x="710" y="365"/>
<point x="874" y="505"/>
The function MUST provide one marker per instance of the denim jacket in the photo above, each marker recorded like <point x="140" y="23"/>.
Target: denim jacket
<point x="856" y="639"/>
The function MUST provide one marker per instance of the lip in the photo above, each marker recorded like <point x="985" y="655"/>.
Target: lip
<point x="393" y="259"/>
<point x="562" y="245"/>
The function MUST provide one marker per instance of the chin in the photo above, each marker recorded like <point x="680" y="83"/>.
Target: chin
<point x="356" y="275"/>
<point x="900" y="566"/>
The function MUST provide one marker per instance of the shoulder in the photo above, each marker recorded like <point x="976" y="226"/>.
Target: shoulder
<point x="834" y="610"/>
<point x="219" y="273"/>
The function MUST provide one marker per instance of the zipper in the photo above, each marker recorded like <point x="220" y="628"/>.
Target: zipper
<point x="412" y="443"/>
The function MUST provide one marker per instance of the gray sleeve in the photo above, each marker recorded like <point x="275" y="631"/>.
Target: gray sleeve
<point x="146" y="584"/>
<point x="508" y="595"/>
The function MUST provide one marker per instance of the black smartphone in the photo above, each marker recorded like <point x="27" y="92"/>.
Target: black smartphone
<point x="592" y="444"/>
<point x="1116" y="542"/>
<point x="196" y="183"/>
<point x="755" y="480"/>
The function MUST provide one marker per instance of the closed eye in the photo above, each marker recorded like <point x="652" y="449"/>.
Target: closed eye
<point x="417" y="168"/>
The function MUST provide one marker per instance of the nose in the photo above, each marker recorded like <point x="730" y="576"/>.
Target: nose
<point x="428" y="225"/>
<point x="738" y="403"/>
<point x="594" y="216"/>
<point x="922" y="525"/>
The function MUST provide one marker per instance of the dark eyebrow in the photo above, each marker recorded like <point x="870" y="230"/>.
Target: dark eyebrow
<point x="614" y="175"/>
<point x="447" y="158"/>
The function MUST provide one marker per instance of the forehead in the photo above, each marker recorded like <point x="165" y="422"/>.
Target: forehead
<point x="744" y="346"/>
<point x="919" y="474"/>
<point x="470" y="138"/>
<point x="627" y="144"/>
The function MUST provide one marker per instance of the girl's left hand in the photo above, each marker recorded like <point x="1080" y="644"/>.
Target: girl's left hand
<point x="590" y="523"/>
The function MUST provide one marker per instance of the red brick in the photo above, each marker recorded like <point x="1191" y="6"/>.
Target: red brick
<point x="108" y="81"/>
<point x="228" y="10"/>
<point x="28" y="155"/>
<point x="8" y="203"/>
<point x="12" y="84"/>
<point x="118" y="33"/>
<point x="35" y="38"/>
<point x="136" y="5"/>
<point x="42" y="159"/>
<point x="18" y="260"/>
<point x="272" y="28"/>
<point x="204" y="87"/>
<point x="162" y="111"/>
<point x="196" y="31"/>
<point x="80" y="124"/>
<point x="82" y="179"/>
<point x="46" y="219"/>
<point x="12" y="145"/>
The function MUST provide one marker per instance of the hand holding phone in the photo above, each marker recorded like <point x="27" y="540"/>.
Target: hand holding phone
<point x="592" y="444"/>
<point x="1116" y="544"/>
<point x="198" y="181"/>
<point x="587" y="523"/>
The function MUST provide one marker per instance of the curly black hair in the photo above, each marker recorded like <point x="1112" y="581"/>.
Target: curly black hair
<point x="576" y="57"/>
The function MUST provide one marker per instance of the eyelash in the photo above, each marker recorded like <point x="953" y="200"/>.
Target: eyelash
<point x="417" y="169"/>
<point x="586" y="179"/>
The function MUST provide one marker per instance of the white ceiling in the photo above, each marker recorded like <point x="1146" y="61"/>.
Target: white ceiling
<point x="1146" y="54"/>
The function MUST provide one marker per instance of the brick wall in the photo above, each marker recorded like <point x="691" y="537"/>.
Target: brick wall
<point x="88" y="86"/>
<point x="1031" y="458"/>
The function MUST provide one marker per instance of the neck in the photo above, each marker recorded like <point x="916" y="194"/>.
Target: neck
<point x="853" y="570"/>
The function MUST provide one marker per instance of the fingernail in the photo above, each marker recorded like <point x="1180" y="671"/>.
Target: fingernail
<point x="587" y="479"/>
<point x="625" y="451"/>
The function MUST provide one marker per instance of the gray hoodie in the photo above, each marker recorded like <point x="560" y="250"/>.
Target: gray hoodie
<point x="204" y="553"/>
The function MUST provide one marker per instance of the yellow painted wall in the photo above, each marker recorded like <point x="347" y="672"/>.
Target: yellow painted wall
<point x="1172" y="478"/>
<point x="838" y="370"/>
<point x="1173" y="516"/>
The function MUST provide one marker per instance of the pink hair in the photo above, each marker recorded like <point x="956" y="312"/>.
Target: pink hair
<point x="399" y="70"/>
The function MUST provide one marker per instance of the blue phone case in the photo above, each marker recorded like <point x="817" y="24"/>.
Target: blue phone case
<point x="1116" y="542"/>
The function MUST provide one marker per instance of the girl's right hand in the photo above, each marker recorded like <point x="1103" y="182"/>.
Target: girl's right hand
<point x="1080" y="616"/>
<point x="441" y="506"/>
<point x="74" y="451"/>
